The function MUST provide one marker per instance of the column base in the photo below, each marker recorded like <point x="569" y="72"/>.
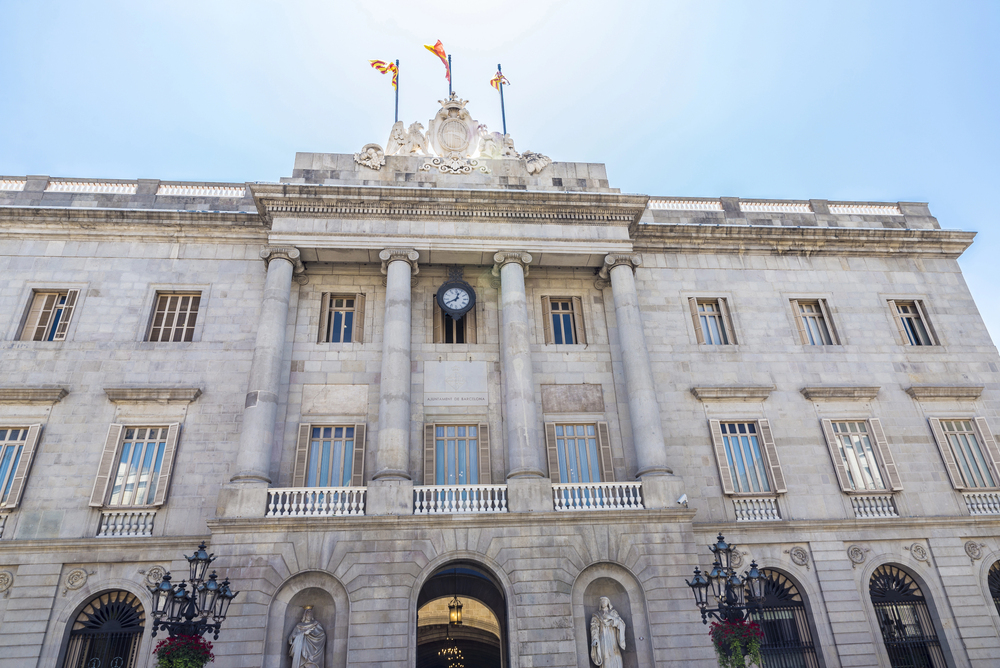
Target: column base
<point x="529" y="495"/>
<point x="662" y="491"/>
<point x="389" y="497"/>
<point x="242" y="500"/>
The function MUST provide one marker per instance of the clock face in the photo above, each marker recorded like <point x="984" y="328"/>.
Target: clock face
<point x="455" y="299"/>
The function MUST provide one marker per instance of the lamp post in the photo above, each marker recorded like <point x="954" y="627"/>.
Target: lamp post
<point x="734" y="597"/>
<point x="186" y="613"/>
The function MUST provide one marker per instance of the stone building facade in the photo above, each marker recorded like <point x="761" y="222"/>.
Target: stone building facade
<point x="635" y="375"/>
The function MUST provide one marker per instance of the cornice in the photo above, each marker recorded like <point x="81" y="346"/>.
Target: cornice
<point x="168" y="395"/>
<point x="32" y="395"/>
<point x="970" y="392"/>
<point x="389" y="203"/>
<point x="799" y="240"/>
<point x="795" y="529"/>
<point x="732" y="393"/>
<point x="839" y="392"/>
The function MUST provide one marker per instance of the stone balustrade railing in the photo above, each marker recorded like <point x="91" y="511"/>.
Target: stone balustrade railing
<point x="440" y="499"/>
<point x="597" y="496"/>
<point x="315" y="501"/>
<point x="874" y="506"/>
<point x="983" y="503"/>
<point x="3" y="523"/>
<point x="121" y="523"/>
<point x="756" y="509"/>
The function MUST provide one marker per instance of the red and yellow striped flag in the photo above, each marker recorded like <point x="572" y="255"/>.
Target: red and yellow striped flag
<point x="498" y="79"/>
<point x="438" y="50"/>
<point x="384" y="67"/>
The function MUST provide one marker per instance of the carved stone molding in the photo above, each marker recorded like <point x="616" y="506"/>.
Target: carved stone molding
<point x="505" y="257"/>
<point x="75" y="579"/>
<point x="289" y="253"/>
<point x="32" y="395"/>
<point x="6" y="582"/>
<point x="407" y="255"/>
<point x="612" y="260"/>
<point x="163" y="395"/>
<point x="918" y="551"/>
<point x="970" y="392"/>
<point x="829" y="393"/>
<point x="732" y="393"/>
<point x="153" y="574"/>
<point x="799" y="556"/>
<point x="857" y="555"/>
<point x="454" y="166"/>
<point x="371" y="156"/>
<point x="974" y="550"/>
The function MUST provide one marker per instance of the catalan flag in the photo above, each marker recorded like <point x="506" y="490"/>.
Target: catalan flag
<point x="438" y="50"/>
<point x="499" y="79"/>
<point x="384" y="67"/>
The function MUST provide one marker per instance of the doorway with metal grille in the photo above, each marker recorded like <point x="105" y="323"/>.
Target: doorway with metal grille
<point x="993" y="580"/>
<point x="904" y="619"/>
<point x="784" y="619"/>
<point x="107" y="632"/>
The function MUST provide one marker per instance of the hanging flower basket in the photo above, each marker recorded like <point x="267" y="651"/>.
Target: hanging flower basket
<point x="735" y="642"/>
<point x="183" y="652"/>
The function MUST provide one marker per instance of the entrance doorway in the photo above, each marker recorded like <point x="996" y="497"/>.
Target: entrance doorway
<point x="480" y="641"/>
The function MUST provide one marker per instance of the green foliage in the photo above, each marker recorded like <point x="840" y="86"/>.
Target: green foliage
<point x="736" y="641"/>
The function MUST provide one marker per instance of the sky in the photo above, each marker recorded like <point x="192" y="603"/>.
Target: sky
<point x="870" y="101"/>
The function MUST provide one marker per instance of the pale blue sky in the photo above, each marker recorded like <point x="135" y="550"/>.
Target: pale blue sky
<point x="841" y="100"/>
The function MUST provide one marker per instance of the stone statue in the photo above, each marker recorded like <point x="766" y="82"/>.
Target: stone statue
<point x="371" y="156"/>
<point x="508" y="150"/>
<point x="489" y="143"/>
<point x="397" y="139"/>
<point x="307" y="642"/>
<point x="416" y="142"/>
<point x="607" y="636"/>
<point x="535" y="162"/>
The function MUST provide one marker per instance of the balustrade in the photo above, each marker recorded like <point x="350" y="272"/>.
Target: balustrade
<point x="598" y="496"/>
<point x="439" y="499"/>
<point x="874" y="505"/>
<point x="983" y="503"/>
<point x="118" y="523"/>
<point x="315" y="501"/>
<point x="756" y="509"/>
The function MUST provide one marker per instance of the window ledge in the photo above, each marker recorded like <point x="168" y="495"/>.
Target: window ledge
<point x="32" y="395"/>
<point x="169" y="395"/>
<point x="945" y="391"/>
<point x="839" y="392"/>
<point x="732" y="393"/>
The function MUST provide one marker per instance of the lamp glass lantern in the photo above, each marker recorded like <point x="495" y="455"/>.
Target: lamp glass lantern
<point x="455" y="612"/>
<point x="177" y="602"/>
<point x="161" y="593"/>
<point x="755" y="583"/>
<point x="699" y="587"/>
<point x="198" y="563"/>
<point x="208" y="592"/>
<point x="723" y="552"/>
<point x="736" y="590"/>
<point x="225" y="597"/>
<point x="717" y="581"/>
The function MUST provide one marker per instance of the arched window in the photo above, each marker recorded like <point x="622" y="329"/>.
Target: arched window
<point x="993" y="579"/>
<point x="784" y="619"/>
<point x="107" y="632"/>
<point x="906" y="625"/>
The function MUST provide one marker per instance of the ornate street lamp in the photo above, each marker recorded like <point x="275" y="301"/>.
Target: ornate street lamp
<point x="734" y="596"/>
<point x="455" y="612"/>
<point x="186" y="613"/>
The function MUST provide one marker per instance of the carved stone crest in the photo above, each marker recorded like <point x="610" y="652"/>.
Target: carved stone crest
<point x="75" y="579"/>
<point x="454" y="166"/>
<point x="799" y="556"/>
<point x="371" y="156"/>
<point x="974" y="550"/>
<point x="154" y="574"/>
<point x="918" y="551"/>
<point x="452" y="132"/>
<point x="737" y="559"/>
<point x="856" y="554"/>
<point x="6" y="581"/>
<point x="535" y="162"/>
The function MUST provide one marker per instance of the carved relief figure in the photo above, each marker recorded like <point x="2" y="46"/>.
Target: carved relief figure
<point x="489" y="143"/>
<point x="416" y="142"/>
<point x="535" y="162"/>
<point x="508" y="150"/>
<point x="607" y="636"/>
<point x="397" y="139"/>
<point x="307" y="642"/>
<point x="371" y="156"/>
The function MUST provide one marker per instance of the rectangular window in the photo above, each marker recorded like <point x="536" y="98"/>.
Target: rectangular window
<point x="563" y="320"/>
<point x="456" y="454"/>
<point x="174" y="316"/>
<point x="744" y="457"/>
<point x="911" y="319"/>
<point x="576" y="448"/>
<point x="49" y="315"/>
<point x="712" y="324"/>
<point x="342" y="318"/>
<point x="140" y="462"/>
<point x="331" y="456"/>
<point x="449" y="330"/>
<point x="12" y="442"/>
<point x="854" y="445"/>
<point x="814" y="324"/>
<point x="968" y="453"/>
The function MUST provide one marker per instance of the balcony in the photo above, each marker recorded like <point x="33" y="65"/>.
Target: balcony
<point x="874" y="506"/>
<point x="982" y="503"/>
<point x="315" y="501"/>
<point x="126" y="523"/>
<point x="756" y="509"/>
<point x="597" y="496"/>
<point x="456" y="499"/>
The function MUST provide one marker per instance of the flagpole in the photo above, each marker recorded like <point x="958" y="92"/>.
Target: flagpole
<point x="397" y="90"/>
<point x="449" y="75"/>
<point x="503" y="113"/>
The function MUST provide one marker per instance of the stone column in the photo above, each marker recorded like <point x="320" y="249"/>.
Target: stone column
<point x="261" y="407"/>
<point x="391" y="492"/>
<point x="528" y="486"/>
<point x="659" y="483"/>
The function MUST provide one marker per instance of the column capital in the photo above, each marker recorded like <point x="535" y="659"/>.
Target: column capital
<point x="612" y="260"/>
<point x="506" y="257"/>
<point x="289" y="253"/>
<point x="407" y="255"/>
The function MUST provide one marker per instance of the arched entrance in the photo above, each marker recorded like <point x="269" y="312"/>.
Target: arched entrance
<point x="788" y="641"/>
<point x="904" y="619"/>
<point x="481" y="639"/>
<point x="107" y="632"/>
<point x="993" y="580"/>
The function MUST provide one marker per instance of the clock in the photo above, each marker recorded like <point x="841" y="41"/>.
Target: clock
<point x="456" y="298"/>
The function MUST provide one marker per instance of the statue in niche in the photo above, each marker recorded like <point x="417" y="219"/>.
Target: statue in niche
<point x="307" y="642"/>
<point x="607" y="636"/>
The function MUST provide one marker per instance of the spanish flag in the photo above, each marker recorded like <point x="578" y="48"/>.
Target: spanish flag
<point x="499" y="79"/>
<point x="438" y="50"/>
<point x="384" y="67"/>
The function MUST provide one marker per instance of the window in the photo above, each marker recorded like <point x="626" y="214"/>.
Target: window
<point x="747" y="457"/>
<point x="330" y="456"/>
<point x="107" y="632"/>
<point x="579" y="452"/>
<point x="861" y="455"/>
<point x="911" y="320"/>
<point x="342" y="318"/>
<point x="49" y="315"/>
<point x="712" y="324"/>
<point x="456" y="454"/>
<point x="562" y="319"/>
<point x="784" y="619"/>
<point x="135" y="467"/>
<point x="174" y="317"/>
<point x="961" y="443"/>
<point x="449" y="330"/>
<point x="17" y="449"/>
<point x="813" y="322"/>
<point x="907" y="630"/>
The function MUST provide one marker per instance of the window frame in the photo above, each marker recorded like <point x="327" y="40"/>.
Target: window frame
<point x="725" y="316"/>
<point x="769" y="456"/>
<point x="824" y="313"/>
<point x="604" y="452"/>
<point x="358" y="320"/>
<point x="440" y="322"/>
<point x="987" y="447"/>
<point x="178" y="292"/>
<point x="880" y="448"/>
<point x="482" y="454"/>
<point x="58" y="330"/>
<point x="577" y="320"/>
<point x="18" y="473"/>
<point x="100" y="496"/>
<point x="921" y="308"/>
<point x="303" y="443"/>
